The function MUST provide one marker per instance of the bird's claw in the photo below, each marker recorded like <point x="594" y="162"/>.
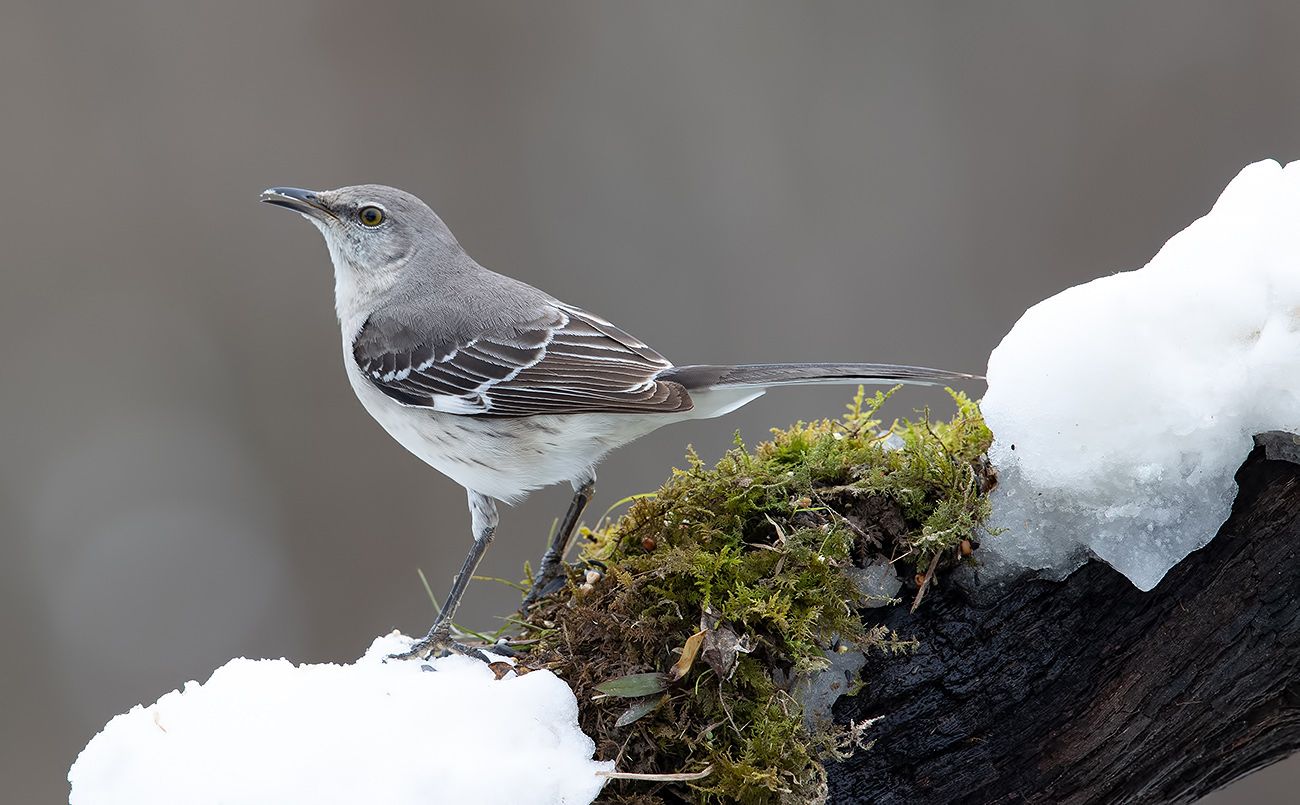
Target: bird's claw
<point x="439" y="643"/>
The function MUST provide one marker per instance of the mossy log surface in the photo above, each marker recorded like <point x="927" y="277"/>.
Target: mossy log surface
<point x="1088" y="690"/>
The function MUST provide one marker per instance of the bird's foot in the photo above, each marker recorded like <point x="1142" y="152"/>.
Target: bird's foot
<point x="439" y="643"/>
<point x="549" y="579"/>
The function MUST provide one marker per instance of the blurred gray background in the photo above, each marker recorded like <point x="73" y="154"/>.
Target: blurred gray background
<point x="188" y="476"/>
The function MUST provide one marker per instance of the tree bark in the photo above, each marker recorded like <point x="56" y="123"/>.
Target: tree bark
<point x="1088" y="690"/>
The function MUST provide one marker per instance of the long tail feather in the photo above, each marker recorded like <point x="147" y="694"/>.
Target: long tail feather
<point x="764" y="375"/>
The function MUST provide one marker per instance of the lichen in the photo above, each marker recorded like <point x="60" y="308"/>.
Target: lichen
<point x="731" y="582"/>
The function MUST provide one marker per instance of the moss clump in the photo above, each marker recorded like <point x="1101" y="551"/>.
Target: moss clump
<point x="728" y="583"/>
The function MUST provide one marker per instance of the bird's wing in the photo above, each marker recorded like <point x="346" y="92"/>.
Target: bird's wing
<point x="563" y="361"/>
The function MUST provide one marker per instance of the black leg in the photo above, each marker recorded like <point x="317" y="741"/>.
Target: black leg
<point x="551" y="571"/>
<point x="483" y="515"/>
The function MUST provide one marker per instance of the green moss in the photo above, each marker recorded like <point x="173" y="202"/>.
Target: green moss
<point x="753" y="557"/>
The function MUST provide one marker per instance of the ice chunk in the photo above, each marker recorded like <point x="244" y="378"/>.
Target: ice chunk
<point x="274" y="732"/>
<point x="818" y="691"/>
<point x="1122" y="407"/>
<point x="877" y="583"/>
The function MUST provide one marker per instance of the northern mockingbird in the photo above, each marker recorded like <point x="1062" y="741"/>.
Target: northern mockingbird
<point x="498" y="385"/>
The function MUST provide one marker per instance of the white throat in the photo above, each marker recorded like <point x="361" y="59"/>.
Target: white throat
<point x="357" y="291"/>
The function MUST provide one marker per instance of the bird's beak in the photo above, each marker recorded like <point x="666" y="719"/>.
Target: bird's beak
<point x="301" y="201"/>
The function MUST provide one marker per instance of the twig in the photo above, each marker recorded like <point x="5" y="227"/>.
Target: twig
<point x="679" y="777"/>
<point x="929" y="574"/>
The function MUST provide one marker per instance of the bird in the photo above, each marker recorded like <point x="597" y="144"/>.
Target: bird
<point x="500" y="386"/>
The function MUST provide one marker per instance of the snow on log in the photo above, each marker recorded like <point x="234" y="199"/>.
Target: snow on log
<point x="374" y="731"/>
<point x="1121" y="408"/>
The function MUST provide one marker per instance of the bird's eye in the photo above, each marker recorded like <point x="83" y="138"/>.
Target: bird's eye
<point x="370" y="216"/>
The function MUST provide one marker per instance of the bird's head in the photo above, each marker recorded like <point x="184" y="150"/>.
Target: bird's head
<point x="371" y="226"/>
<point x="380" y="239"/>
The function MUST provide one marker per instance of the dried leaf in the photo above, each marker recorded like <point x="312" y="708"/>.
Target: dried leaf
<point x="634" y="685"/>
<point x="722" y="645"/>
<point x="500" y="668"/>
<point x="689" y="651"/>
<point x="639" y="709"/>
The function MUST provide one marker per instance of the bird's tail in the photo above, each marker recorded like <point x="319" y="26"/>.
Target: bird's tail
<point x="765" y="375"/>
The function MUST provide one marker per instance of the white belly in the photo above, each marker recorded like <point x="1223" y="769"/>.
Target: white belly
<point x="503" y="458"/>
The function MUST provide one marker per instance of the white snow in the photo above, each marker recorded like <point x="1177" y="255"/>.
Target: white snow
<point x="1122" y="407"/>
<point x="269" y="731"/>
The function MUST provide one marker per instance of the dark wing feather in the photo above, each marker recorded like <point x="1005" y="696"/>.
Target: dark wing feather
<point x="566" y="361"/>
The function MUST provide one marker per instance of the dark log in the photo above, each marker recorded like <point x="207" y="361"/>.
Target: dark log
<point x="1088" y="690"/>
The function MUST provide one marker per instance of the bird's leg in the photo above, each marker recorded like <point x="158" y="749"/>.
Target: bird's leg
<point x="483" y="515"/>
<point x="550" y="573"/>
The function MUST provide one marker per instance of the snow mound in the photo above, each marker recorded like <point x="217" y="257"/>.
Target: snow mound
<point x="1121" y="408"/>
<point x="269" y="731"/>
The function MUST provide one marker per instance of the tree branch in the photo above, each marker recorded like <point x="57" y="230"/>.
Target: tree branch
<point x="1088" y="690"/>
